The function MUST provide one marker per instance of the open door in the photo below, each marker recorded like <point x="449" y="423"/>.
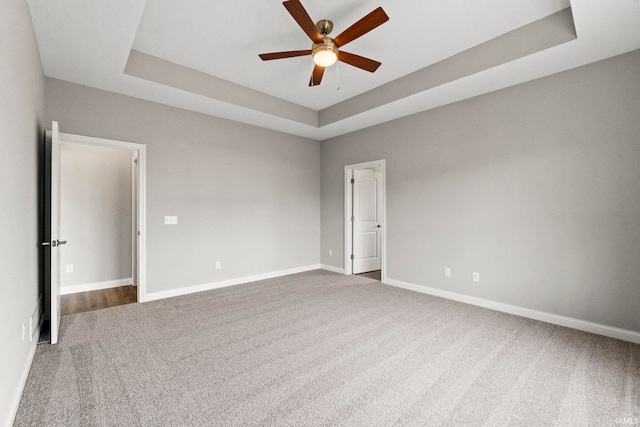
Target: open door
<point x="367" y="212"/>
<point x="52" y="240"/>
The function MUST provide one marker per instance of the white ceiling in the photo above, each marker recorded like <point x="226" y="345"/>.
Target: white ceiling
<point x="89" y="43"/>
<point x="225" y="41"/>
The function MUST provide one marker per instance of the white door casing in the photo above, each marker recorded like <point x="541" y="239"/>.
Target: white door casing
<point x="367" y="213"/>
<point x="378" y="166"/>
<point x="134" y="218"/>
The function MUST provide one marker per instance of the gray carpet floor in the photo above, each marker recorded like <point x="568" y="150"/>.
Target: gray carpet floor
<point x="322" y="349"/>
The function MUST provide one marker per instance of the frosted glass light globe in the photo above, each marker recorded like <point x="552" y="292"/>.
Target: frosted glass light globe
<point x="325" y="56"/>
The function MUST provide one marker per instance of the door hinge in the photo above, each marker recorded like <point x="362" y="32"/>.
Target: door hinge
<point x="352" y="257"/>
<point x="353" y="181"/>
<point x="353" y="219"/>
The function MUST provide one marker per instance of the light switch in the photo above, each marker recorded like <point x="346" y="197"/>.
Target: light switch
<point x="69" y="268"/>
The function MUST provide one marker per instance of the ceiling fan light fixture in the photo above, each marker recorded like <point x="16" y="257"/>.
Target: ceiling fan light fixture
<point x="324" y="49"/>
<point x="325" y="55"/>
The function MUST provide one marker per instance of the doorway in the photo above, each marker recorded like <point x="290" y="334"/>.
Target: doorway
<point x="53" y="234"/>
<point x="134" y="157"/>
<point x="97" y="212"/>
<point x="365" y="212"/>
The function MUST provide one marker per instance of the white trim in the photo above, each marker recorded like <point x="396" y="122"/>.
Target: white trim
<point x="85" y="287"/>
<point x="225" y="283"/>
<point x="142" y="224"/>
<point x="582" y="325"/>
<point x="134" y="213"/>
<point x="348" y="232"/>
<point x="332" y="268"/>
<point x="101" y="142"/>
<point x="22" y="382"/>
<point x="142" y="197"/>
<point x="24" y="375"/>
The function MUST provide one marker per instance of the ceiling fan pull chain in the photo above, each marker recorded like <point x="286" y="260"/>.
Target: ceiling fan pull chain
<point x="337" y="76"/>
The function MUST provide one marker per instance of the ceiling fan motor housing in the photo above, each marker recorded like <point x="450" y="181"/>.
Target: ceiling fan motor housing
<point x="326" y="45"/>
<point x="326" y="53"/>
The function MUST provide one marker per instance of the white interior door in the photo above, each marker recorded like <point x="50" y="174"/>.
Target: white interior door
<point x="367" y="222"/>
<point x="56" y="241"/>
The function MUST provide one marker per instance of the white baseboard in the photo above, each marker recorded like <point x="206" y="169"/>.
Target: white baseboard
<point x="332" y="268"/>
<point x="66" y="290"/>
<point x="582" y="325"/>
<point x="22" y="382"/>
<point x="225" y="283"/>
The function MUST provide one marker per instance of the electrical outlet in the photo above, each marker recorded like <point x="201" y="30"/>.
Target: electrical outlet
<point x="170" y="220"/>
<point x="69" y="268"/>
<point x="447" y="272"/>
<point x="330" y="252"/>
<point x="217" y="265"/>
<point x="476" y="277"/>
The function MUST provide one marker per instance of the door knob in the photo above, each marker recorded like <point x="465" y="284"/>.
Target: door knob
<point x="379" y="226"/>
<point x="56" y="243"/>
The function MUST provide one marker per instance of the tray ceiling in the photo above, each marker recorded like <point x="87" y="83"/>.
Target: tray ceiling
<point x="203" y="56"/>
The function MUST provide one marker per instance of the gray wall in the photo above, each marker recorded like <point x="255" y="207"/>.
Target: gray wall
<point x="21" y="132"/>
<point x="95" y="214"/>
<point x="246" y="196"/>
<point x="536" y="187"/>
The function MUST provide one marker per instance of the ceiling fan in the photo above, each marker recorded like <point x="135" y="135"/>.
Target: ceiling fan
<point x="325" y="50"/>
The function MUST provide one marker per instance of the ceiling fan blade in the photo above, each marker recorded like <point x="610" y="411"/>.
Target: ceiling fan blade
<point x="359" y="61"/>
<point x="316" y="75"/>
<point x="303" y="19"/>
<point x="363" y="26"/>
<point x="281" y="55"/>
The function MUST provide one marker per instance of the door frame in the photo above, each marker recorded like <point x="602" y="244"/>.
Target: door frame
<point x="134" y="217"/>
<point x="141" y="191"/>
<point x="348" y="213"/>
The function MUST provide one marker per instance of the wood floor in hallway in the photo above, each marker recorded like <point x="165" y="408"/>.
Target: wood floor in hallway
<point x="95" y="300"/>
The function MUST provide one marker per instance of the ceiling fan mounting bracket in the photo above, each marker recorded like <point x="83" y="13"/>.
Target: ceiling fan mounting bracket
<point x="324" y="26"/>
